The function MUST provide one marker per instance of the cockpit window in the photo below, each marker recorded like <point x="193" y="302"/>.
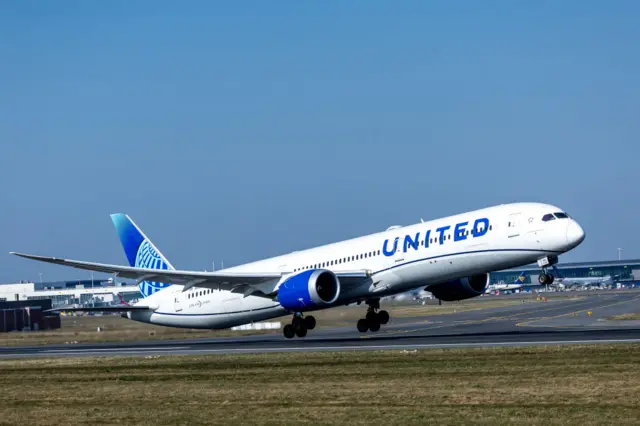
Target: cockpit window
<point x="548" y="217"/>
<point x="561" y="215"/>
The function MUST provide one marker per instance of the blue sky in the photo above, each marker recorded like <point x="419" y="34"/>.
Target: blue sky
<point x="242" y="130"/>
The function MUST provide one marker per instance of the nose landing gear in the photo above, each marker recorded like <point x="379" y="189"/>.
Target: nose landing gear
<point x="299" y="326"/>
<point x="545" y="278"/>
<point x="374" y="318"/>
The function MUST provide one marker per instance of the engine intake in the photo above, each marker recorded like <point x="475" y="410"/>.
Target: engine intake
<point x="309" y="290"/>
<point x="460" y="289"/>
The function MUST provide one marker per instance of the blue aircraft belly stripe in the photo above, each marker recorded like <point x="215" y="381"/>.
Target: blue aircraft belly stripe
<point x="219" y="313"/>
<point x="465" y="252"/>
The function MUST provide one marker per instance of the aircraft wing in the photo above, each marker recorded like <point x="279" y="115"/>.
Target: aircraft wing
<point x="249" y="284"/>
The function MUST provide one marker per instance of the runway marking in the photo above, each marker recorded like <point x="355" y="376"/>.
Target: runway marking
<point x="564" y="303"/>
<point x="528" y="323"/>
<point x="352" y="347"/>
<point x="110" y="349"/>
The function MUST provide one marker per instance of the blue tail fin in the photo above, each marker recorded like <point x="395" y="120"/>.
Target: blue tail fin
<point x="520" y="279"/>
<point x="140" y="252"/>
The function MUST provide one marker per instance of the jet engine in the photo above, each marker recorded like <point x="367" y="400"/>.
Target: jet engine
<point x="460" y="289"/>
<point x="309" y="290"/>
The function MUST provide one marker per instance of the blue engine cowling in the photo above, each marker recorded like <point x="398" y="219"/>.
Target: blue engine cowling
<point x="460" y="289"/>
<point x="309" y="290"/>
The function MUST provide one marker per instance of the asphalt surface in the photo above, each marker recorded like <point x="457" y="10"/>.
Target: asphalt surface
<point x="578" y="318"/>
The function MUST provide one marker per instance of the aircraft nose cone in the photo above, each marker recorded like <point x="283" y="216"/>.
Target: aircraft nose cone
<point x="575" y="233"/>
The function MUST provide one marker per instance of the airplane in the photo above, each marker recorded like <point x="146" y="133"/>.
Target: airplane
<point x="121" y="300"/>
<point x="518" y="283"/>
<point x="450" y="257"/>
<point x="585" y="281"/>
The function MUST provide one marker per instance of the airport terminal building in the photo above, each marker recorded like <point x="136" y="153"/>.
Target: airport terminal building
<point x="623" y="271"/>
<point x="67" y="293"/>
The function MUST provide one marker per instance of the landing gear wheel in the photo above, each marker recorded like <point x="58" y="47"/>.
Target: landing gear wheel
<point x="383" y="317"/>
<point x="301" y="332"/>
<point x="545" y="279"/>
<point x="297" y="324"/>
<point x="374" y="325"/>
<point x="288" y="331"/>
<point x="310" y="322"/>
<point x="372" y="317"/>
<point x="363" y="325"/>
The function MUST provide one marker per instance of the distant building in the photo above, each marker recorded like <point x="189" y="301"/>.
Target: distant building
<point x="74" y="292"/>
<point x="626" y="271"/>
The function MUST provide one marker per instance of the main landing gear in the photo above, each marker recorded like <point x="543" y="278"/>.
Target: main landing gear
<point x="299" y="326"/>
<point x="374" y="318"/>
<point x="545" y="278"/>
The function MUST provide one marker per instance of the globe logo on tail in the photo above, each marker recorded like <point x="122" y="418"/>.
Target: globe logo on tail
<point x="148" y="258"/>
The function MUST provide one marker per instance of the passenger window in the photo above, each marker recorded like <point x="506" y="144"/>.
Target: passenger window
<point x="548" y="217"/>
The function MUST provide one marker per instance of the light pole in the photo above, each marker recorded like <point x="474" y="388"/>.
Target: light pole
<point x="619" y="253"/>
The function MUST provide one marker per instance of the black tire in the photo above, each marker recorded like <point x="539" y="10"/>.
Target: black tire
<point x="310" y="322"/>
<point x="363" y="325"/>
<point x="297" y="324"/>
<point x="542" y="279"/>
<point x="301" y="332"/>
<point x="371" y="316"/>
<point x="288" y="331"/>
<point x="374" y="325"/>
<point x="551" y="279"/>
<point x="383" y="317"/>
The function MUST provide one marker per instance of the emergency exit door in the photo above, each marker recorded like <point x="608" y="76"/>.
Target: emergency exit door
<point x="514" y="225"/>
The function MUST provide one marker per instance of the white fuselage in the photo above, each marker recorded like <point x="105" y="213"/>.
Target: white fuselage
<point x="515" y="235"/>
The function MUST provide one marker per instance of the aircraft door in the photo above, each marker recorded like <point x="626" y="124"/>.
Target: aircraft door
<point x="283" y="268"/>
<point x="177" y="302"/>
<point x="514" y="225"/>
<point x="399" y="254"/>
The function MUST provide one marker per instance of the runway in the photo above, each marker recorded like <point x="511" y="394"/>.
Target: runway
<point x="579" y="318"/>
